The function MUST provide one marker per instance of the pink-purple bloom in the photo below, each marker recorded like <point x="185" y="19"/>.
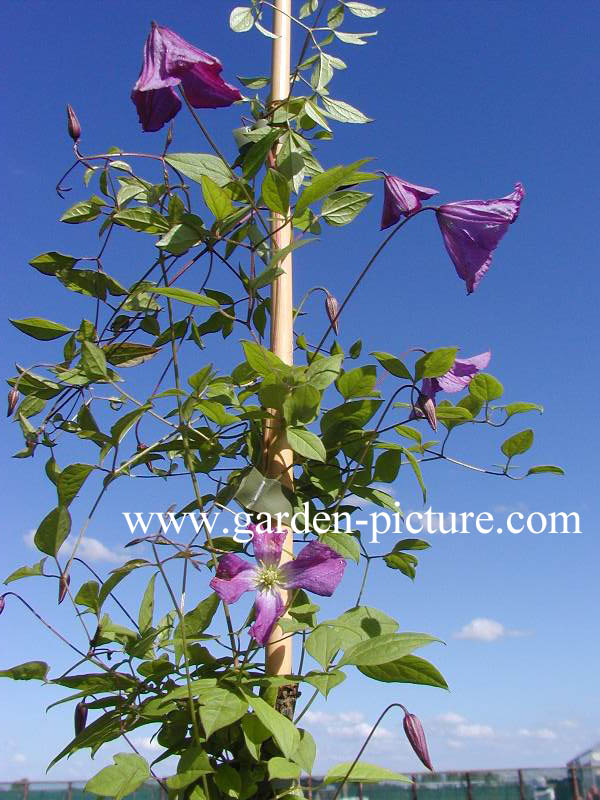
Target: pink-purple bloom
<point x="169" y="61"/>
<point x="458" y="377"/>
<point x="317" y="568"/>
<point x="400" y="199"/>
<point x="472" y="229"/>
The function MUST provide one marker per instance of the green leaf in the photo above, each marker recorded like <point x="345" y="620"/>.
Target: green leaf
<point x="265" y="278"/>
<point x="322" y="644"/>
<point x="254" y="157"/>
<point x="220" y="708"/>
<point x="362" y="773"/>
<point x="340" y="208"/>
<point x="42" y="329"/>
<point x="84" y="211"/>
<point x="199" y="618"/>
<point x="26" y="572"/>
<point x="357" y="382"/>
<point x="353" y="38"/>
<point x="186" y="296"/>
<point x="540" y="469"/>
<point x="126" y="775"/>
<point x="323" y="371"/>
<point x="281" y="768"/>
<point x="93" y="361"/>
<point x="123" y="425"/>
<point x="326" y="183"/>
<point x="70" y="481"/>
<point x="387" y="466"/>
<point x="276" y="192"/>
<point x="255" y="733"/>
<point x="283" y="731"/>
<point x="258" y="493"/>
<point x="343" y="112"/>
<point x="49" y="263"/>
<point x="409" y="669"/>
<point x="517" y="444"/>
<point x="228" y="780"/>
<point x="417" y="470"/>
<point x="144" y="219"/>
<point x="435" y="363"/>
<point x="485" y="388"/>
<point x="262" y="360"/>
<point x="387" y="647"/>
<point x="279" y="255"/>
<point x="521" y="408"/>
<point x="88" y="596"/>
<point x="216" y="198"/>
<point x="325" y="681"/>
<point x="306" y="444"/>
<point x="29" y="671"/>
<point x="392" y="365"/>
<point x="363" y="9"/>
<point x="241" y="19"/>
<point x="343" y="543"/>
<point x="129" y="354"/>
<point x="193" y="764"/>
<point x="353" y="414"/>
<point x="146" y="612"/>
<point x="53" y="531"/>
<point x="195" y="165"/>
<point x="405" y="562"/>
<point x="362" y="623"/>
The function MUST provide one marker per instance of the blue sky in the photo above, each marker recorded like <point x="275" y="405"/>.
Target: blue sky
<point x="468" y="97"/>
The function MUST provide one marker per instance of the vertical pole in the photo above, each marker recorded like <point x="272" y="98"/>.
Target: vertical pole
<point x="521" y="786"/>
<point x="279" y="457"/>
<point x="574" y="783"/>
<point x="413" y="788"/>
<point x="469" y="787"/>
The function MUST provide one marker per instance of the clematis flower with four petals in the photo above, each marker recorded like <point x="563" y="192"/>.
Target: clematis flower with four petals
<point x="168" y="62"/>
<point x="471" y="230"/>
<point x="317" y="569"/>
<point x="458" y="377"/>
<point x="400" y="199"/>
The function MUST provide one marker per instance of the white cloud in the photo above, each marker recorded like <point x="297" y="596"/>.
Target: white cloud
<point x="474" y="731"/>
<point x="537" y="733"/>
<point x="346" y="725"/>
<point x="146" y="743"/>
<point x="450" y="717"/>
<point x="482" y="629"/>
<point x="89" y="549"/>
<point x="19" y="758"/>
<point x="569" y="723"/>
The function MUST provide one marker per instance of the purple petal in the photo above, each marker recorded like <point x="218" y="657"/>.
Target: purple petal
<point x="168" y="61"/>
<point x="269" y="607"/>
<point x="462" y="372"/>
<point x="401" y="198"/>
<point x="234" y="576"/>
<point x="268" y="545"/>
<point x="205" y="89"/>
<point x="472" y="229"/>
<point x="317" y="568"/>
<point x="155" y="107"/>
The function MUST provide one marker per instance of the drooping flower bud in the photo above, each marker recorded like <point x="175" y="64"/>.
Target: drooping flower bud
<point x="13" y="399"/>
<point x="2" y="603"/>
<point x="332" y="308"/>
<point x="63" y="586"/>
<point x="416" y="737"/>
<point x="426" y="404"/>
<point x="73" y="125"/>
<point x="81" y="712"/>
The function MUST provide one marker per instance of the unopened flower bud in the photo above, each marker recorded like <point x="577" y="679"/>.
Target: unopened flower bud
<point x="332" y="308"/>
<point x="81" y="712"/>
<point x="13" y="399"/>
<point x="426" y="404"/>
<point x="169" y="137"/>
<point x="140" y="448"/>
<point x="63" y="586"/>
<point x="2" y="603"/>
<point x="416" y="737"/>
<point x="73" y="125"/>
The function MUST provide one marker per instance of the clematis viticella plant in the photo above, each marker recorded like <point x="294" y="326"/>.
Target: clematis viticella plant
<point x="150" y="391"/>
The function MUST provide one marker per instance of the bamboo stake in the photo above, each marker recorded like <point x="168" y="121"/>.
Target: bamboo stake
<point x="279" y="457"/>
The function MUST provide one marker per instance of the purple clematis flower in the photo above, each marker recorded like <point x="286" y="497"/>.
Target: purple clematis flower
<point x="169" y="61"/>
<point x="472" y="230"/>
<point x="458" y="377"/>
<point x="317" y="568"/>
<point x="401" y="199"/>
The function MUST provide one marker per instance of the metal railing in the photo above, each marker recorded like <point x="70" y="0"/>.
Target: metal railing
<point x="552" y="783"/>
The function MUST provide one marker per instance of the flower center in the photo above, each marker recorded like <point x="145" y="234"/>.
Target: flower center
<point x="268" y="578"/>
